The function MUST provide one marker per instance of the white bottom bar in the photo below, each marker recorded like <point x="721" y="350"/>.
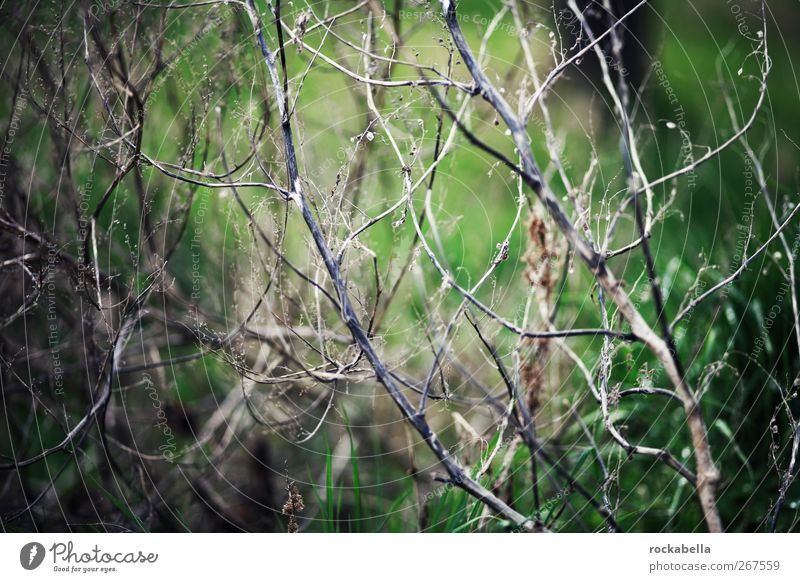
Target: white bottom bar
<point x="408" y="557"/>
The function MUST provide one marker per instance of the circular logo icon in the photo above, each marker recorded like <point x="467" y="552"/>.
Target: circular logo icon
<point x="31" y="555"/>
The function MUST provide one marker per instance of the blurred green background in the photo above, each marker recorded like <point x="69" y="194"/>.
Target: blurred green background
<point x="364" y="470"/>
